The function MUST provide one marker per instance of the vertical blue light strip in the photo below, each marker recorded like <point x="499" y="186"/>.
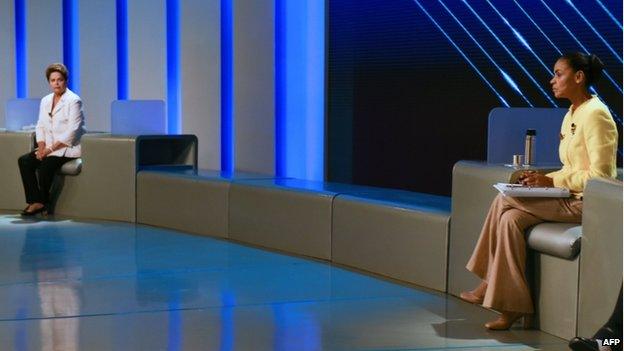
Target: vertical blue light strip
<point x="500" y="97"/>
<point x="520" y="65"/>
<point x="280" y="83"/>
<point x="122" y="49"/>
<point x="227" y="88"/>
<point x="21" y="37"/>
<point x="173" y="67"/>
<point x="71" y="39"/>
<point x="299" y="89"/>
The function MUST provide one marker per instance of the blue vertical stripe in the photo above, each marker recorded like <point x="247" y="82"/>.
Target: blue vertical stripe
<point x="227" y="88"/>
<point x="280" y="96"/>
<point x="71" y="42"/>
<point x="21" y="37"/>
<point x="173" y="67"/>
<point x="122" y="49"/>
<point x="299" y="89"/>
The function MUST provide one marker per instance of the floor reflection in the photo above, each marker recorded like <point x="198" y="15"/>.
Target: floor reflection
<point x="58" y="281"/>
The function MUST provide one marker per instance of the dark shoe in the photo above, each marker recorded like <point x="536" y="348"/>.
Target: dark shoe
<point x="583" y="344"/>
<point x="26" y="213"/>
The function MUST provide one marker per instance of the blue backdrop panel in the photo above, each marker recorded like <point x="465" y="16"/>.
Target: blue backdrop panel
<point x="138" y="117"/>
<point x="507" y="128"/>
<point x="21" y="113"/>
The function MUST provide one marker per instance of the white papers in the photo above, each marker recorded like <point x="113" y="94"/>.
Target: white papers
<point x="517" y="190"/>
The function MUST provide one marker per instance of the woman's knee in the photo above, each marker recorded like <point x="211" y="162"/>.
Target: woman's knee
<point x="514" y="219"/>
<point x="24" y="160"/>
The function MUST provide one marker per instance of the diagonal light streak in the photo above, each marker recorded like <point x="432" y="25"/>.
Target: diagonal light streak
<point x="615" y="115"/>
<point x="610" y="14"/>
<point x="539" y="87"/>
<point x="579" y="43"/>
<point x="524" y="42"/>
<point x="506" y="78"/>
<point x="616" y="54"/>
<point x="463" y="54"/>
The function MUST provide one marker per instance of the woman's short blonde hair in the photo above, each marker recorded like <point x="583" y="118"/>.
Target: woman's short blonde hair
<point x="57" y="67"/>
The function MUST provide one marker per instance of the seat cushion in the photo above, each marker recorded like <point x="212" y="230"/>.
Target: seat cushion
<point x="556" y="239"/>
<point x="72" y="167"/>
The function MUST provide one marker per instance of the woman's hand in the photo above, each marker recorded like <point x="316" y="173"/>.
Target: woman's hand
<point x="42" y="153"/>
<point x="532" y="178"/>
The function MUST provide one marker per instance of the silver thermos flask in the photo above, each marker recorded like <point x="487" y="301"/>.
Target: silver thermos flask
<point x="529" y="147"/>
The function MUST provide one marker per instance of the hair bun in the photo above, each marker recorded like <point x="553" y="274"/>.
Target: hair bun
<point x="595" y="63"/>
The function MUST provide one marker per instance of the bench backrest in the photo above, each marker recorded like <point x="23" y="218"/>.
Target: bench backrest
<point x="21" y="113"/>
<point x="135" y="117"/>
<point x="507" y="128"/>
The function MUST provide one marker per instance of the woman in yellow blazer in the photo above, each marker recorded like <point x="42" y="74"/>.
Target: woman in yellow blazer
<point x="59" y="128"/>
<point x="588" y="149"/>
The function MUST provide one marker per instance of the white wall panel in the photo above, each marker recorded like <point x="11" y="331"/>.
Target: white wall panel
<point x="147" y="49"/>
<point x="44" y="25"/>
<point x="254" y="86"/>
<point x="200" y="45"/>
<point x="7" y="53"/>
<point x="98" y="61"/>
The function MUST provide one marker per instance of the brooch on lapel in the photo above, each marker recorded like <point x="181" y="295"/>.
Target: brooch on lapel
<point x="573" y="128"/>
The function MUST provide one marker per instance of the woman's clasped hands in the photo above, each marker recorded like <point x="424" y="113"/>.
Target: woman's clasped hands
<point x="534" y="179"/>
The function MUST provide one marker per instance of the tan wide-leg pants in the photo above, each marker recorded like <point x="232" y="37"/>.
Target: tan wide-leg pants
<point x="500" y="255"/>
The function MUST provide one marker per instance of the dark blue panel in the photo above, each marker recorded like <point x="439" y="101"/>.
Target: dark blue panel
<point x="411" y="82"/>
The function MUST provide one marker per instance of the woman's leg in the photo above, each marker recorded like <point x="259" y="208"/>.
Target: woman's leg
<point x="499" y="256"/>
<point x="28" y="165"/>
<point x="47" y="169"/>
<point x="507" y="288"/>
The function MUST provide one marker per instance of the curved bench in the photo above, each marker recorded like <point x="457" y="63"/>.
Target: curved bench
<point x="196" y="202"/>
<point x="399" y="234"/>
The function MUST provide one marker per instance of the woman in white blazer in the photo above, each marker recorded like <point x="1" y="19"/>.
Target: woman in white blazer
<point x="59" y="128"/>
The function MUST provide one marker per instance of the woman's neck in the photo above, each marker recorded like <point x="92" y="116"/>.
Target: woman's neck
<point x="578" y="99"/>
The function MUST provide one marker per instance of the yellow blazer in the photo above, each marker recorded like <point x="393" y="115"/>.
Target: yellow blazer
<point x="588" y="147"/>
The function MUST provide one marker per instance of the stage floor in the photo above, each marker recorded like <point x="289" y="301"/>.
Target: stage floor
<point x="81" y="285"/>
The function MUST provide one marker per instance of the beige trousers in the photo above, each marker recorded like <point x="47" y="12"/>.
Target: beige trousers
<point x="500" y="255"/>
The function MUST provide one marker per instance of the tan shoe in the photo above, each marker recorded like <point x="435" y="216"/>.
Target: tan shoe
<point x="469" y="296"/>
<point x="507" y="319"/>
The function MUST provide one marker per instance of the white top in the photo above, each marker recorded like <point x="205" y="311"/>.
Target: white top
<point x="66" y="124"/>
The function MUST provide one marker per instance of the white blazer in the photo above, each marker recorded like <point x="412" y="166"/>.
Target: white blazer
<point x="66" y="124"/>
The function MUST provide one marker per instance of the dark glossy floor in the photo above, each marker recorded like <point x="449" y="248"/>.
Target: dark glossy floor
<point x="68" y="285"/>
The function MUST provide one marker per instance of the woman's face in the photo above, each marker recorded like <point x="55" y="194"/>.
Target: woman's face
<point x="566" y="83"/>
<point x="58" y="84"/>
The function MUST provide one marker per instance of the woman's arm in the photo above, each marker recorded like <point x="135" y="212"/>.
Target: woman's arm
<point x="600" y="137"/>
<point x="75" y="124"/>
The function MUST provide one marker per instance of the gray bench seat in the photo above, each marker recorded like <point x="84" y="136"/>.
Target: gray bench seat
<point x="561" y="240"/>
<point x="399" y="234"/>
<point x="71" y="168"/>
<point x="182" y="199"/>
<point x="292" y="215"/>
